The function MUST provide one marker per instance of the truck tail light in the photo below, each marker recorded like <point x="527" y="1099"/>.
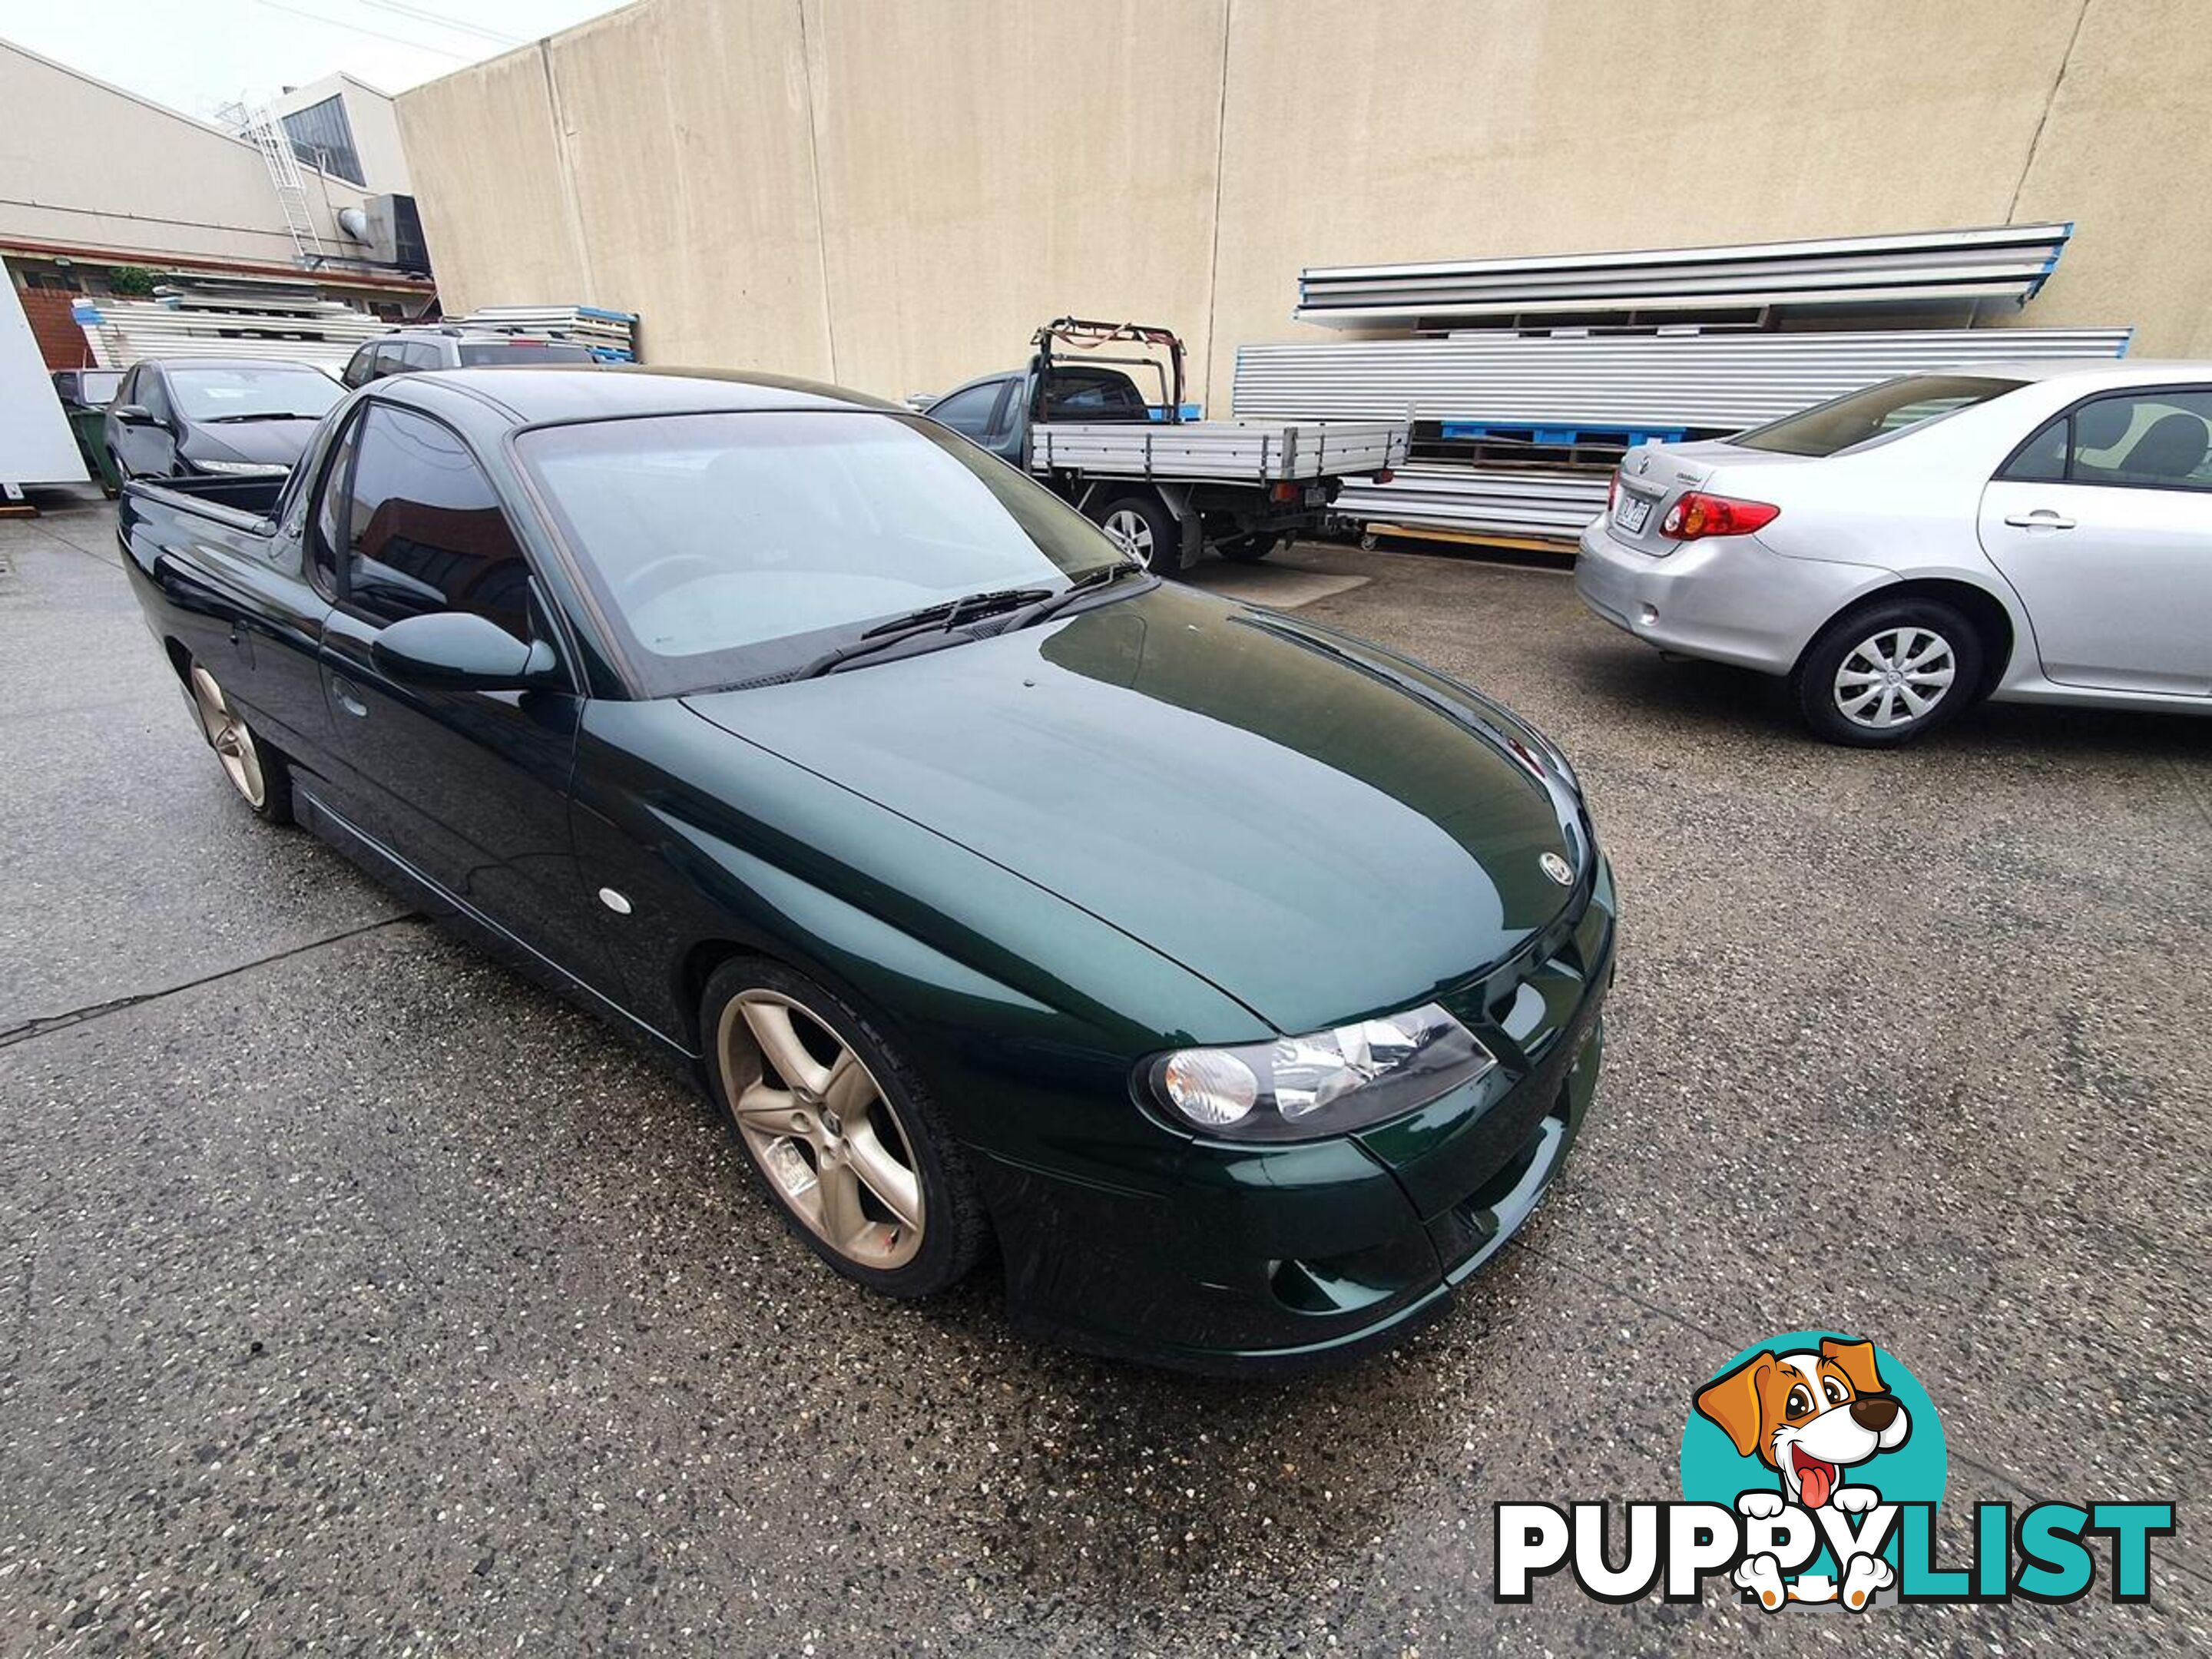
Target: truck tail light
<point x="1384" y="475"/>
<point x="1287" y="491"/>
<point x="1697" y="515"/>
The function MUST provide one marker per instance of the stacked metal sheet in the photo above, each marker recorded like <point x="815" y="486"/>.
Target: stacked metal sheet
<point x="187" y="322"/>
<point x="1476" y="499"/>
<point x="1716" y="382"/>
<point x="612" y="335"/>
<point x="2004" y="262"/>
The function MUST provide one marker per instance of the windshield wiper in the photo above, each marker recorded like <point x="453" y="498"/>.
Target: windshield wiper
<point x="259" y="414"/>
<point x="930" y="618"/>
<point x="1089" y="582"/>
<point x="953" y="612"/>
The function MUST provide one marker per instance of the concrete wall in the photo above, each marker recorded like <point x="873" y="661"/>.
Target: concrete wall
<point x="893" y="196"/>
<point x="87" y="164"/>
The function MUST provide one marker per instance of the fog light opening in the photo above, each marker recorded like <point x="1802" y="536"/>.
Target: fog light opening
<point x="1648" y="615"/>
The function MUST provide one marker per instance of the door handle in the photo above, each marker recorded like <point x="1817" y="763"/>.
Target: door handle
<point x="2042" y="518"/>
<point x="348" y="699"/>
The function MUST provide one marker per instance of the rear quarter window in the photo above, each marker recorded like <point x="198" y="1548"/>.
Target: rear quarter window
<point x="1875" y="412"/>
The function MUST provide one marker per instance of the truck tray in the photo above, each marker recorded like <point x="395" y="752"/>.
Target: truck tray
<point x="1243" y="451"/>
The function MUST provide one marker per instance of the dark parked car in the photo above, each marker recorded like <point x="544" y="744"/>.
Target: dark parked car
<point x="413" y="350"/>
<point x="1240" y="980"/>
<point x="178" y="417"/>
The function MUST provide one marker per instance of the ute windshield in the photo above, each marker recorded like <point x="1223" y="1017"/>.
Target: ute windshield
<point x="1875" y="411"/>
<point x="730" y="548"/>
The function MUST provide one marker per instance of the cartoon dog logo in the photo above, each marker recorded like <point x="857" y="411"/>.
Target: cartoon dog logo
<point x="1809" y="1415"/>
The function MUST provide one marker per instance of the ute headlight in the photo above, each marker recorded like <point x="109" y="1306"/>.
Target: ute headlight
<point x="1299" y="1088"/>
<point x="242" y="469"/>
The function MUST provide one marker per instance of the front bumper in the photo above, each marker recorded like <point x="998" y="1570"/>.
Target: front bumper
<point x="1259" y="1259"/>
<point x="1728" y="597"/>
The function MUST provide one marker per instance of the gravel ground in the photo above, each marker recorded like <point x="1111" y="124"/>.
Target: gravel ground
<point x="355" y="1296"/>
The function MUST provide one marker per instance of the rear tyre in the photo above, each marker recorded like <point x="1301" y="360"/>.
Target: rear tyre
<point x="1888" y="673"/>
<point x="840" y="1131"/>
<point x="1143" y="525"/>
<point x="1250" y="550"/>
<point x="258" y="772"/>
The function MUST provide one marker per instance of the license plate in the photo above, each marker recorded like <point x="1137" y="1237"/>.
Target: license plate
<point x="1630" y="513"/>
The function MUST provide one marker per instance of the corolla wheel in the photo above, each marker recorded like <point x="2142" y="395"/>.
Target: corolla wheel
<point x="228" y="735"/>
<point x="823" y="1130"/>
<point x="1889" y="672"/>
<point x="1895" y="677"/>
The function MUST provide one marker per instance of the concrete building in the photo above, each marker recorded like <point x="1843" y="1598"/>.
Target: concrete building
<point x="892" y="196"/>
<point x="94" y="178"/>
<point x="348" y="129"/>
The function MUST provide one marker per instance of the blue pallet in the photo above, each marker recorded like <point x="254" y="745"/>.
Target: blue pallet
<point x="1563" y="436"/>
<point x="1159" y="411"/>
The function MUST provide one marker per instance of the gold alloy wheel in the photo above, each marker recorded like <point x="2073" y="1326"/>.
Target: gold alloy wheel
<point x="233" y="743"/>
<point x="821" y="1129"/>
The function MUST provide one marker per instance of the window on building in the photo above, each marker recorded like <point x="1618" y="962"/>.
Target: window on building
<point x="322" y="137"/>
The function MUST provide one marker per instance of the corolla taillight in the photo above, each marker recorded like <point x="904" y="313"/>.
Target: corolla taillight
<point x="1696" y="515"/>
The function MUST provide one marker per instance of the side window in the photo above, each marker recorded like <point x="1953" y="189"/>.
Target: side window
<point x="2042" y="459"/>
<point x="2157" y="438"/>
<point x="128" y="392"/>
<point x="328" y="534"/>
<point x="155" y="398"/>
<point x="1009" y="419"/>
<point x="425" y="531"/>
<point x="421" y="354"/>
<point x="357" y="368"/>
<point x="969" y="412"/>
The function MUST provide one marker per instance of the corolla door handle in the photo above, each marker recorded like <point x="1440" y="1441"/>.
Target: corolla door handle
<point x="348" y="699"/>
<point x="2042" y="518"/>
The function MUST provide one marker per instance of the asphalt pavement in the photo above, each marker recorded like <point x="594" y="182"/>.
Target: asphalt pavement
<point x="357" y="1296"/>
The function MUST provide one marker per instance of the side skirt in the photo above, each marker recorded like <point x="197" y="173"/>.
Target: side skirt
<point x="387" y="866"/>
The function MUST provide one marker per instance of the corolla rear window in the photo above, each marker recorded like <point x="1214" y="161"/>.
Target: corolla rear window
<point x="275" y="393"/>
<point x="729" y="548"/>
<point x="1876" y="411"/>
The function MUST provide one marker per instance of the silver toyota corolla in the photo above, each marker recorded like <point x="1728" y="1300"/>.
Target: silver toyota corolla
<point x="2038" y="532"/>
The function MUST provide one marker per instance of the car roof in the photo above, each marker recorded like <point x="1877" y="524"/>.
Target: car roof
<point x="2112" y="371"/>
<point x="530" y="394"/>
<point x="229" y="362"/>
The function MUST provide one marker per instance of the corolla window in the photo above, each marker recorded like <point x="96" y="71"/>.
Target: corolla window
<point x="733" y="547"/>
<point x="1878" y="411"/>
<point x="277" y="393"/>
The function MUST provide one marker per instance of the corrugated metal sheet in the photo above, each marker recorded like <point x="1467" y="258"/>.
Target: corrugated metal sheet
<point x="612" y="335"/>
<point x="1717" y="382"/>
<point x="1503" y="501"/>
<point x="2001" y="262"/>
<point x="325" y="332"/>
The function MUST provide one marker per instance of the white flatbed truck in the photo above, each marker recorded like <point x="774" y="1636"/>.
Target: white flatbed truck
<point x="1168" y="488"/>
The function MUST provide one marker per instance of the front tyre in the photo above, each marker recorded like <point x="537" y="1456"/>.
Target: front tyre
<point x="1888" y="673"/>
<point x="255" y="770"/>
<point x="840" y="1132"/>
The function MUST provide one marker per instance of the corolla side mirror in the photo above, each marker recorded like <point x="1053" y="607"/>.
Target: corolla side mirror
<point x="461" y="652"/>
<point x="133" y="414"/>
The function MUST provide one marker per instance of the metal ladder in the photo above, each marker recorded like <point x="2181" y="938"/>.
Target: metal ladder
<point x="268" y="135"/>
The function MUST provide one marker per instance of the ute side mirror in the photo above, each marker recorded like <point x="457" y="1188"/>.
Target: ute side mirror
<point x="133" y="414"/>
<point x="458" y="651"/>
